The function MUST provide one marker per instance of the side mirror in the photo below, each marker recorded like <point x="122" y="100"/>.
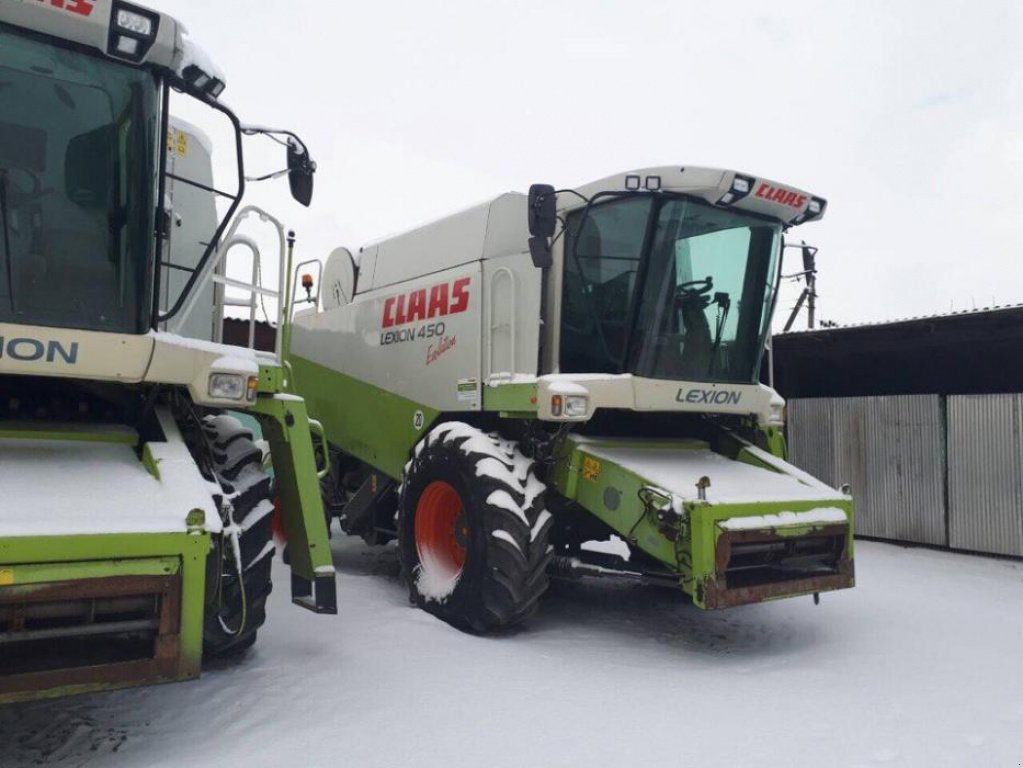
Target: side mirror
<point x="339" y="278"/>
<point x="541" y="211"/>
<point x="90" y="168"/>
<point x="300" y="172"/>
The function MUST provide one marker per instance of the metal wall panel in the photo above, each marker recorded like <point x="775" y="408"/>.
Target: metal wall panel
<point x="985" y="438"/>
<point x="890" y="449"/>
<point x="810" y="437"/>
<point x="904" y="469"/>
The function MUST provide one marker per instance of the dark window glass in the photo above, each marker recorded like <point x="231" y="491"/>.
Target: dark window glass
<point x="704" y="306"/>
<point x="602" y="259"/>
<point x="77" y="178"/>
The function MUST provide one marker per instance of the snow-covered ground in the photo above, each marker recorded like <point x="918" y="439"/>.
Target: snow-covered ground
<point x="920" y="665"/>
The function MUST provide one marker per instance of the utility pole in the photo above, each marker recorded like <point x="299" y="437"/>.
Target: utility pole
<point x="809" y="294"/>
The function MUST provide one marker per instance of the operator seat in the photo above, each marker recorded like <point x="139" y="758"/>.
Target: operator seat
<point x="696" y="337"/>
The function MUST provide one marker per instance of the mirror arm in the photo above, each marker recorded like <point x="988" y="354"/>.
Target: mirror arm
<point x="274" y="175"/>
<point x="253" y="130"/>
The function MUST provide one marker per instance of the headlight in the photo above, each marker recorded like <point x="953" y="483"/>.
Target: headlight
<point x="227" y="386"/>
<point x="777" y="415"/>
<point x="132" y="31"/>
<point x="576" y="406"/>
<point x="131" y="21"/>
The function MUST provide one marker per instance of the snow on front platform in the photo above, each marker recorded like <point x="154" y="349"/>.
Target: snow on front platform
<point x="58" y="487"/>
<point x="819" y="516"/>
<point x="678" y="468"/>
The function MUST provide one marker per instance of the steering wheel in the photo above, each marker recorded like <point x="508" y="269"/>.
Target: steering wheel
<point x="694" y="288"/>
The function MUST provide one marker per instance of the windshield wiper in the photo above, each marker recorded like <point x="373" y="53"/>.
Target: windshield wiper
<point x="6" y="236"/>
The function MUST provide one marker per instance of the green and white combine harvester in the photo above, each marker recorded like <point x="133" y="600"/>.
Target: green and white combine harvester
<point x="505" y="388"/>
<point x="135" y="518"/>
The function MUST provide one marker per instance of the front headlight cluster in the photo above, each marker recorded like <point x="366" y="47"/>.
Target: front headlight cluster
<point x="233" y="386"/>
<point x="569" y="406"/>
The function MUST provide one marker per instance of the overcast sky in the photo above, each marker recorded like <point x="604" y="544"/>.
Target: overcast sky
<point x="906" y="116"/>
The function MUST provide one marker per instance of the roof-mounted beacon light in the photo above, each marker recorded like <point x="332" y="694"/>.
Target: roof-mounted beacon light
<point x="132" y="31"/>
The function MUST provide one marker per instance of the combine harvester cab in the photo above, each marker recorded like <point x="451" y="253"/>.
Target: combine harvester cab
<point x="135" y="523"/>
<point x="507" y="385"/>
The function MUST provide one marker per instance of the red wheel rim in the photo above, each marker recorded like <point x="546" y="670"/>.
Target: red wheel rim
<point x="441" y="530"/>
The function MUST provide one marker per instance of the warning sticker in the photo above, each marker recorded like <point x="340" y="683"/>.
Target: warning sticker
<point x="6" y="577"/>
<point x="177" y="142"/>
<point x="469" y="391"/>
<point x="591" y="468"/>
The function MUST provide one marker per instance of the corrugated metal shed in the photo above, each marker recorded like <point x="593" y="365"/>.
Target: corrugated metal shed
<point x="985" y="436"/>
<point x="889" y="449"/>
<point x="973" y="352"/>
<point x="946" y="469"/>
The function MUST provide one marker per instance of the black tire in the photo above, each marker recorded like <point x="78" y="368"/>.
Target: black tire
<point x="236" y="608"/>
<point x="503" y="529"/>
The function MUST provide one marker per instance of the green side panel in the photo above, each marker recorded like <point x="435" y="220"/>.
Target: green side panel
<point x="686" y="544"/>
<point x="271" y="379"/>
<point x="375" y="426"/>
<point x="39" y="573"/>
<point x="89" y="433"/>
<point x="152" y="466"/>
<point x="772" y="440"/>
<point x="511" y="398"/>
<point x="33" y="560"/>
<point x="284" y="422"/>
<point x="611" y="493"/>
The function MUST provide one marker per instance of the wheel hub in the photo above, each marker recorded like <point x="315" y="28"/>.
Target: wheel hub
<point x="441" y="530"/>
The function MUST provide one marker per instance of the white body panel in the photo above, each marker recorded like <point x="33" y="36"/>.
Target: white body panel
<point x="636" y="393"/>
<point x="422" y="359"/>
<point x="497" y="341"/>
<point x="485" y="231"/>
<point x="511" y="316"/>
<point x="154" y="357"/>
<point x="37" y="351"/>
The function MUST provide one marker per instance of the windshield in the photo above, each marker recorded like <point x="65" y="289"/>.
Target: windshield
<point x="667" y="287"/>
<point x="77" y="179"/>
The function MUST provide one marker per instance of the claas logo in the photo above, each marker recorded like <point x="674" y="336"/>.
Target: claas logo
<point x="436" y="301"/>
<point x="780" y="195"/>
<point x="79" y="7"/>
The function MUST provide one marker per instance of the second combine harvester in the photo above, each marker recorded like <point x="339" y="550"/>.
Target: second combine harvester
<point x="495" y="398"/>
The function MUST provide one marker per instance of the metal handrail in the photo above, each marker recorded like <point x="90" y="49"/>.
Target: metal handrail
<point x="511" y="319"/>
<point x="209" y="276"/>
